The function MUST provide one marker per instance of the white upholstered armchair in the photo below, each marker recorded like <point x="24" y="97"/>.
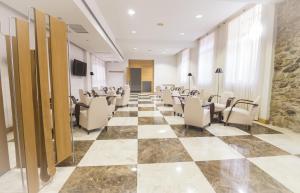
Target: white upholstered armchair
<point x="237" y="115"/>
<point x="84" y="98"/>
<point x="124" y="99"/>
<point x="194" y="114"/>
<point x="96" y="116"/>
<point x="167" y="97"/>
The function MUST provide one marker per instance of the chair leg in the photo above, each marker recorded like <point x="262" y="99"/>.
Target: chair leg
<point x="249" y="127"/>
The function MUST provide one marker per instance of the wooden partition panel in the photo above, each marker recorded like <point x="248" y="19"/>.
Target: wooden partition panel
<point x="60" y="88"/>
<point x="44" y="95"/>
<point x="12" y="55"/>
<point x="4" y="158"/>
<point x="23" y="71"/>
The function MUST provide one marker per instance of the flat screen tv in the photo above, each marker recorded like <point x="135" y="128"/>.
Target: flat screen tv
<point x="78" y="68"/>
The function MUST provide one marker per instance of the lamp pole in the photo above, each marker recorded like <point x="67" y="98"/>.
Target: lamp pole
<point x="218" y="71"/>
<point x="190" y="75"/>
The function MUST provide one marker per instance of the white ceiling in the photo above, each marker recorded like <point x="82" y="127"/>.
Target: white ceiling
<point x="71" y="14"/>
<point x="178" y="17"/>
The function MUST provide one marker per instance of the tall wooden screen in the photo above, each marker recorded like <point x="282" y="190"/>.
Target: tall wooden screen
<point x="60" y="88"/>
<point x="24" y="95"/>
<point x="47" y="150"/>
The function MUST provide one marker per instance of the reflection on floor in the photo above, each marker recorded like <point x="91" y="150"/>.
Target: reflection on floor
<point x="147" y="150"/>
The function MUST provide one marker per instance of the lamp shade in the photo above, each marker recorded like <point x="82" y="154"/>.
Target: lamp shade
<point x="190" y="74"/>
<point x="219" y="70"/>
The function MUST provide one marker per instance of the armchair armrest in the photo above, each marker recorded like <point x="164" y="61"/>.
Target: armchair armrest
<point x="212" y="96"/>
<point x="241" y="101"/>
<point x="229" y="101"/>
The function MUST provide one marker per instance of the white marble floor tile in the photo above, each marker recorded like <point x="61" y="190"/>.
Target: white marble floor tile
<point x="133" y="102"/>
<point x="80" y="134"/>
<point x="111" y="152"/>
<point x="209" y="148"/>
<point x="174" y="120"/>
<point x="285" y="169"/>
<point x="61" y="176"/>
<point x="11" y="182"/>
<point x="155" y="131"/>
<point x="146" y="105"/>
<point x="128" y="109"/>
<point x="184" y="177"/>
<point x="221" y="130"/>
<point x="165" y="108"/>
<point x="123" y="121"/>
<point x="149" y="114"/>
<point x="145" y="100"/>
<point x="287" y="142"/>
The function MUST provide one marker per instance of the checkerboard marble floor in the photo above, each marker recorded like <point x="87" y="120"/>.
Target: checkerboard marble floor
<point x="146" y="149"/>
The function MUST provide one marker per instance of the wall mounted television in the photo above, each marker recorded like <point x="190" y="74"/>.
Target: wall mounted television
<point x="79" y="68"/>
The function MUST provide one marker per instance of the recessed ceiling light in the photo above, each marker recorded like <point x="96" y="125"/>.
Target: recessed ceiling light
<point x="199" y="16"/>
<point x="131" y="12"/>
<point x="181" y="34"/>
<point x="135" y="48"/>
<point x="133" y="32"/>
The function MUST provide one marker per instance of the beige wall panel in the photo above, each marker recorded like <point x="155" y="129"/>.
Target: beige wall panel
<point x="44" y="95"/>
<point x="59" y="73"/>
<point x="147" y="67"/>
<point x="26" y="98"/>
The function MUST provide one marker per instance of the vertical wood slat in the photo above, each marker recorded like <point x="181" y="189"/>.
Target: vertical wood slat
<point x="26" y="108"/>
<point x="60" y="89"/>
<point x="43" y="84"/>
<point x="18" y="136"/>
<point x="4" y="158"/>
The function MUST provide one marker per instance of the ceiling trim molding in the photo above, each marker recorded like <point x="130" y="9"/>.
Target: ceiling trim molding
<point x="102" y="28"/>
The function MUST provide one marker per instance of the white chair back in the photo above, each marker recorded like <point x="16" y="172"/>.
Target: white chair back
<point x="167" y="97"/>
<point x="97" y="112"/>
<point x="225" y="95"/>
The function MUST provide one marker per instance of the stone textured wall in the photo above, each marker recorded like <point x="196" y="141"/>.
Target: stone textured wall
<point x="285" y="104"/>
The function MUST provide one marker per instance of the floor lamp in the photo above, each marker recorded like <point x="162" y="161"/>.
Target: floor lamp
<point x="190" y="76"/>
<point x="218" y="71"/>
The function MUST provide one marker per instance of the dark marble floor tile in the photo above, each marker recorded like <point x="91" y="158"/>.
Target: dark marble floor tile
<point x="161" y="151"/>
<point x="126" y="114"/>
<point x="167" y="113"/>
<point x="239" y="175"/>
<point x="251" y="146"/>
<point x="257" y="129"/>
<point x="181" y="131"/>
<point x="152" y="121"/>
<point x="132" y="105"/>
<point x="146" y="102"/>
<point x="80" y="149"/>
<point x="104" y="179"/>
<point x="118" y="132"/>
<point x="147" y="108"/>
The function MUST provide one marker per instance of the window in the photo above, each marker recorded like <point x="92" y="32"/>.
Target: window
<point x="99" y="77"/>
<point x="243" y="49"/>
<point x="206" y="61"/>
<point x="184" y="65"/>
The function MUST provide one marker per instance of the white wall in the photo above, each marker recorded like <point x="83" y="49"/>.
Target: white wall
<point x="116" y="73"/>
<point x="78" y="82"/>
<point x="164" y="70"/>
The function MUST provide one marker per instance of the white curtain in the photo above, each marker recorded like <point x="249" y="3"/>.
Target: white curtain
<point x="184" y="66"/>
<point x="98" y="67"/>
<point x="242" y="67"/>
<point x="206" y="61"/>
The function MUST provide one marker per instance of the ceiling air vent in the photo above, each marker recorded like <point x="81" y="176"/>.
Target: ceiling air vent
<point x="78" y="28"/>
